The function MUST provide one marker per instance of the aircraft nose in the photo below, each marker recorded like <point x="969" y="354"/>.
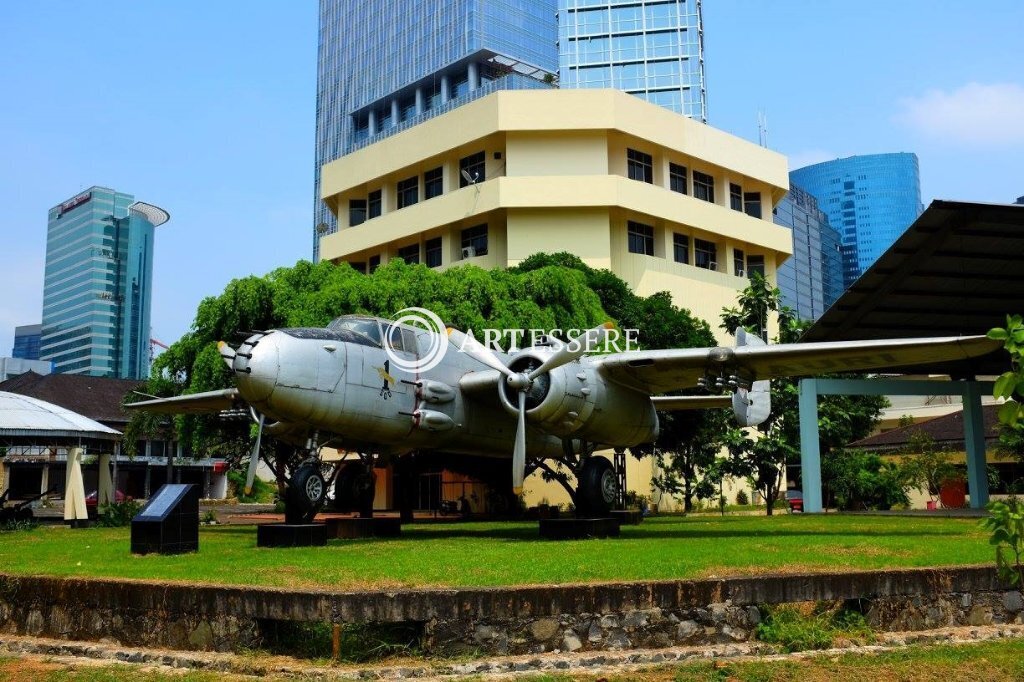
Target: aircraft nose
<point x="257" y="364"/>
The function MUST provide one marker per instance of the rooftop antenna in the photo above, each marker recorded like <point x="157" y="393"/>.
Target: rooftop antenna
<point x="762" y="128"/>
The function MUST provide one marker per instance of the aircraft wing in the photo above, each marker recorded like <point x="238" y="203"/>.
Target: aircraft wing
<point x="661" y="371"/>
<point x="674" y="403"/>
<point x="210" y="402"/>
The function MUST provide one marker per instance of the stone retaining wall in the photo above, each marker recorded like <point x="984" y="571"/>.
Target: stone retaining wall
<point x="526" y="619"/>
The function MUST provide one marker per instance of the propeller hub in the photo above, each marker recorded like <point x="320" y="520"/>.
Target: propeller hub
<point x="519" y="382"/>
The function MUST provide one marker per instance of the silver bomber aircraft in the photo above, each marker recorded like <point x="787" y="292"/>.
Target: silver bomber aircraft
<point x="336" y="386"/>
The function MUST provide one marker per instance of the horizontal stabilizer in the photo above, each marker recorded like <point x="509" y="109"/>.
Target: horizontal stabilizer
<point x="210" y="402"/>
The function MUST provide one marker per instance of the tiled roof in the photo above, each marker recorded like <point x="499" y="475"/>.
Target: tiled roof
<point x="97" y="398"/>
<point x="947" y="430"/>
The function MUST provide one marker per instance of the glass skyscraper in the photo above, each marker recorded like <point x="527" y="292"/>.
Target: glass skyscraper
<point x="98" y="284"/>
<point x="653" y="49"/>
<point x="871" y="199"/>
<point x="384" y="65"/>
<point x="26" y="341"/>
<point x="812" y="279"/>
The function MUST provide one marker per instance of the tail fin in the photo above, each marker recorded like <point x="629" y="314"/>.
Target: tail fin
<point x="751" y="406"/>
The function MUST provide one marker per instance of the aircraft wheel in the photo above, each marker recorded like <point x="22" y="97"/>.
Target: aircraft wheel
<point x="307" y="489"/>
<point x="597" y="488"/>
<point x="354" y="488"/>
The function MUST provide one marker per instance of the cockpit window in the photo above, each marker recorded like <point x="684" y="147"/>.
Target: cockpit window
<point x="395" y="337"/>
<point x="361" y="325"/>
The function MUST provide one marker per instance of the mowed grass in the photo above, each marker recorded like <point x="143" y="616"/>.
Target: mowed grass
<point x="477" y="554"/>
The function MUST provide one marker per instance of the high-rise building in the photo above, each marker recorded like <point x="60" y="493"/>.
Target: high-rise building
<point x="26" y="341"/>
<point x="812" y="279"/>
<point x="1020" y="200"/>
<point x="98" y="284"/>
<point x="385" y="65"/>
<point x="652" y="49"/>
<point x="871" y="199"/>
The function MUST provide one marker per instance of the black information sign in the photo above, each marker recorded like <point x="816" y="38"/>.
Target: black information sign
<point x="169" y="523"/>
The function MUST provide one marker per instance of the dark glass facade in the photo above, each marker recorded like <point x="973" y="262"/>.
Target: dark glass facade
<point x="871" y="200"/>
<point x="812" y="279"/>
<point x="26" y="341"/>
<point x="385" y="65"/>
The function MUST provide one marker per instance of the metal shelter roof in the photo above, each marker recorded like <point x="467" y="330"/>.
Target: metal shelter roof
<point x="958" y="270"/>
<point x="22" y="416"/>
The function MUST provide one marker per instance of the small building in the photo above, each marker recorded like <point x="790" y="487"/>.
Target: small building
<point x="159" y="460"/>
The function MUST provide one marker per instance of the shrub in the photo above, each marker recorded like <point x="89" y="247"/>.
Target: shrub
<point x="742" y="499"/>
<point x="262" y="491"/>
<point x="1006" y="521"/>
<point x="796" y="631"/>
<point x="117" y="514"/>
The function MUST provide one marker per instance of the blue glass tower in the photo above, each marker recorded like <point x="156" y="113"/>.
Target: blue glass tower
<point x="812" y="279"/>
<point x="870" y="199"/>
<point x="26" y="341"/>
<point x="384" y="65"/>
<point x="652" y="49"/>
<point x="98" y="284"/>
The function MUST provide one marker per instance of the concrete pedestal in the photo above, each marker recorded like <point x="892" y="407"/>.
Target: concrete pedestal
<point x="291" y="535"/>
<point x="627" y="517"/>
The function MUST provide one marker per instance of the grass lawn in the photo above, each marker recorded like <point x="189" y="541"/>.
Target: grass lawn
<point x="473" y="554"/>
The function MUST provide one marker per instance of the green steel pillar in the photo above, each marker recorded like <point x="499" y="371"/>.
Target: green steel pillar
<point x="810" y="454"/>
<point x="974" y="440"/>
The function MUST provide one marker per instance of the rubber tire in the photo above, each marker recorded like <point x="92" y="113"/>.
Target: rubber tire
<point x="597" y="488"/>
<point x="298" y="488"/>
<point x="355" y="488"/>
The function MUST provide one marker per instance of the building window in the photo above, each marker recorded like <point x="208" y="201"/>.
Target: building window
<point x="677" y="178"/>
<point x="373" y="204"/>
<point x="432" y="252"/>
<point x="374" y="263"/>
<point x="359" y="266"/>
<point x="703" y="186"/>
<point x="735" y="197"/>
<point x="752" y="204"/>
<point x="472" y="169"/>
<point x="739" y="263"/>
<point x="356" y="212"/>
<point x="410" y="254"/>
<point x="639" y="166"/>
<point x="408" y="191"/>
<point x="474" y="241"/>
<point x="755" y="264"/>
<point x="641" y="238"/>
<point x="433" y="184"/>
<point x="681" y="248"/>
<point x="705" y="254"/>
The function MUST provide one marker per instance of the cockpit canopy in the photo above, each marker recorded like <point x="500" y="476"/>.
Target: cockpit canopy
<point x="372" y="329"/>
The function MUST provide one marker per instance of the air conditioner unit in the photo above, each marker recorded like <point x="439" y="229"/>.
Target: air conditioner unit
<point x="712" y="265"/>
<point x="468" y="252"/>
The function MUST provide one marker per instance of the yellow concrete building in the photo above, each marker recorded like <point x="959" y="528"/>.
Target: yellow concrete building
<point x="665" y="202"/>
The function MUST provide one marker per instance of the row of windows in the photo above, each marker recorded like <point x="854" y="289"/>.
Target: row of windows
<point x="640" y="166"/>
<point x="474" y="243"/>
<point x="640" y="240"/>
<point x="472" y="169"/>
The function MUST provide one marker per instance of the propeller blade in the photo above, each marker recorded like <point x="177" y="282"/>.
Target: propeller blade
<point x="479" y="352"/>
<point x="228" y="353"/>
<point x="519" y="452"/>
<point x="573" y="350"/>
<point x="254" y="459"/>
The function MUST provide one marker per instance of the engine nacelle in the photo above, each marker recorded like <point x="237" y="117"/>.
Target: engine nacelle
<point x="575" y="401"/>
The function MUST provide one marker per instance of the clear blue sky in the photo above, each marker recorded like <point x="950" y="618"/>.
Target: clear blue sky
<point x="207" y="109"/>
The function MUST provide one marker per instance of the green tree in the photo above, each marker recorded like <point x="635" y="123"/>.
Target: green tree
<point x="927" y="467"/>
<point x="689" y="440"/>
<point x="863" y="480"/>
<point x="1010" y="387"/>
<point x="841" y="419"/>
<point x="308" y="294"/>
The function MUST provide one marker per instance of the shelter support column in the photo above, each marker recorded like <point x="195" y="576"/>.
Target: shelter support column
<point x="810" y="454"/>
<point x="105" y="492"/>
<point x="74" y="489"/>
<point x="974" y="440"/>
